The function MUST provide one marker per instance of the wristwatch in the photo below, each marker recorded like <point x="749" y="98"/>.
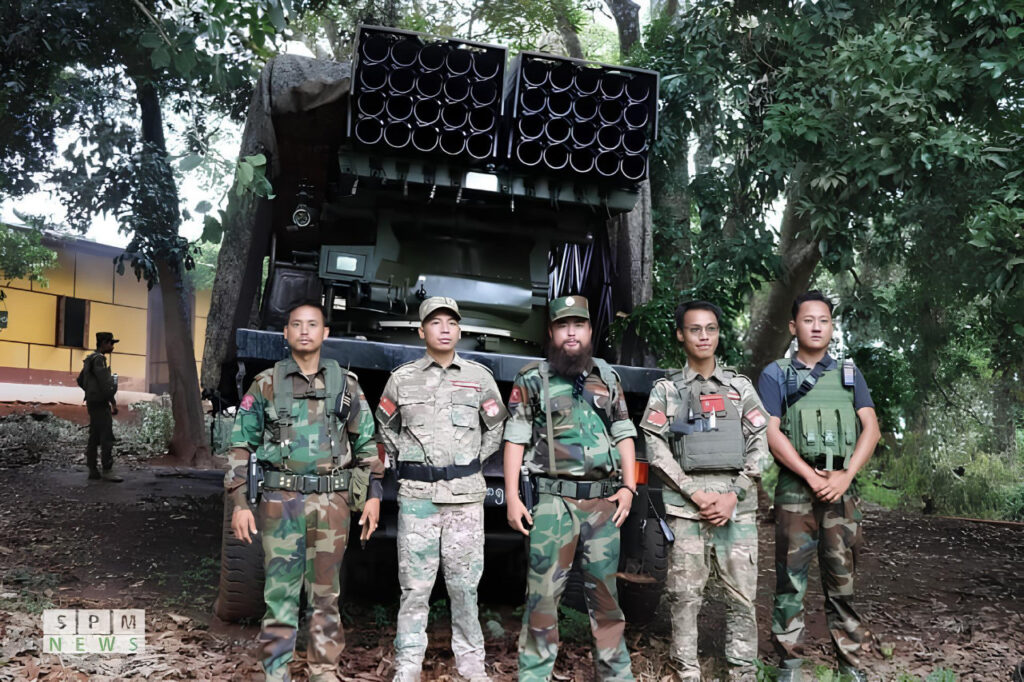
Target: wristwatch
<point x="627" y="488"/>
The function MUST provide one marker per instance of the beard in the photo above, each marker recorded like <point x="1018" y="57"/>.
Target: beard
<point x="570" y="365"/>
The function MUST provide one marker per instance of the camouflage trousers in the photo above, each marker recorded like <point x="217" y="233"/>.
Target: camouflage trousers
<point x="833" y="532"/>
<point x="101" y="435"/>
<point x="730" y="552"/>
<point x="450" y="536"/>
<point x="304" y="538"/>
<point x="565" y="531"/>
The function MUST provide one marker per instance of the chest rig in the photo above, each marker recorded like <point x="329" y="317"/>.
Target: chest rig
<point x="337" y="408"/>
<point x="820" y="420"/>
<point x="707" y="434"/>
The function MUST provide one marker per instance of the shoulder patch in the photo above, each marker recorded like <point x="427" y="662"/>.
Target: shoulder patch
<point x="756" y="418"/>
<point x="656" y="418"/>
<point x="491" y="407"/>
<point x="516" y="396"/>
<point x="386" y="406"/>
<point x="247" y="402"/>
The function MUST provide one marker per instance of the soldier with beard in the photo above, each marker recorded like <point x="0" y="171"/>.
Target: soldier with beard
<point x="569" y="428"/>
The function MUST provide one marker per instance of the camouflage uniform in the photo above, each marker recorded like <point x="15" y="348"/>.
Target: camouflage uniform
<point x="566" y="529"/>
<point x="431" y="416"/>
<point x="303" y="535"/>
<point x="730" y="551"/>
<point x="806" y="527"/>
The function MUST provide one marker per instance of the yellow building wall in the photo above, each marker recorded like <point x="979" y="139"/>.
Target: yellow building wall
<point x="94" y="277"/>
<point x="13" y="354"/>
<point x="130" y="291"/>
<point x="48" y="357"/>
<point x="60" y="280"/>
<point x="128" y="365"/>
<point x="32" y="317"/>
<point x="126" y="324"/>
<point x="77" y="356"/>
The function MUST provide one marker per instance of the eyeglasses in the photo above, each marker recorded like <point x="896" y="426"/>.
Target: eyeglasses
<point x="710" y="330"/>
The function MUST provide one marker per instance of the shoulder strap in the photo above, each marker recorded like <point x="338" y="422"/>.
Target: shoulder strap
<point x="283" y="395"/>
<point x="805" y="387"/>
<point x="338" y="399"/>
<point x="546" y="397"/>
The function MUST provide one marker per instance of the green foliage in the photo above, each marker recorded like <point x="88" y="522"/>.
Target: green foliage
<point x="22" y="255"/>
<point x="573" y="626"/>
<point x="154" y="427"/>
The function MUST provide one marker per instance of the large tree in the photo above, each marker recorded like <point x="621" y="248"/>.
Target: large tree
<point x="104" y="76"/>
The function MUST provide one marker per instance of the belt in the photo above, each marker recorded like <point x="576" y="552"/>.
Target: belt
<point x="307" y="483"/>
<point x="576" y="490"/>
<point x="428" y="474"/>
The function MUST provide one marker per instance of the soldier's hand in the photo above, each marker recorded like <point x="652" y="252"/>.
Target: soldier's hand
<point x="703" y="500"/>
<point x="623" y="498"/>
<point x="836" y="485"/>
<point x="243" y="523"/>
<point x="370" y="518"/>
<point x="721" y="509"/>
<point x="113" y="409"/>
<point x="818" y="482"/>
<point x="517" y="511"/>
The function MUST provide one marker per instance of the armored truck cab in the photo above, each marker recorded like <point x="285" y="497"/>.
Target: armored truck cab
<point x="372" y="214"/>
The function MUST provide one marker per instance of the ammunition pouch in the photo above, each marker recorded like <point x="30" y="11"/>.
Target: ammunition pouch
<point x="576" y="490"/>
<point x="410" y="471"/>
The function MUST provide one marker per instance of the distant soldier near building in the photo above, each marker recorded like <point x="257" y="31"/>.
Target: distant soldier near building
<point x="822" y="430"/>
<point x="439" y="418"/>
<point x="100" y="388"/>
<point x="306" y="424"/>
<point x="705" y="431"/>
<point x="568" y="425"/>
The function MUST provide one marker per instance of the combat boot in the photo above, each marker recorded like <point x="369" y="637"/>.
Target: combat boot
<point x="742" y="674"/>
<point x="847" y="673"/>
<point x="109" y="475"/>
<point x="94" y="474"/>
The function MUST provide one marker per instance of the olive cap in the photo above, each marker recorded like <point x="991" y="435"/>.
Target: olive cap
<point x="568" y="306"/>
<point x="105" y="337"/>
<point x="435" y="303"/>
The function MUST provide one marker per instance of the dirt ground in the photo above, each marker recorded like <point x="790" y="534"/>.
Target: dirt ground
<point x="938" y="594"/>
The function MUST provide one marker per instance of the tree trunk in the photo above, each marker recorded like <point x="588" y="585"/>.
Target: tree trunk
<point x="566" y="29"/>
<point x="239" y="262"/>
<point x="188" y="444"/>
<point x="627" y="20"/>
<point x="769" y="320"/>
<point x="630" y="239"/>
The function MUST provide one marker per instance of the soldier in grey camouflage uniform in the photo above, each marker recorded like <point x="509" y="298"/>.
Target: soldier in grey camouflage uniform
<point x="822" y="430"/>
<point x="569" y="427"/>
<point x="439" y="418"/>
<point x="710" y="488"/>
<point x="312" y="453"/>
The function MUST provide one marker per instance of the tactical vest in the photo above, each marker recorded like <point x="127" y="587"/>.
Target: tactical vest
<point x="823" y="425"/>
<point x="90" y="383"/>
<point x="609" y="377"/>
<point x="707" y="433"/>
<point x="337" y="407"/>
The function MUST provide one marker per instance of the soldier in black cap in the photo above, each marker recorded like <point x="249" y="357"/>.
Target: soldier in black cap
<point x="100" y="386"/>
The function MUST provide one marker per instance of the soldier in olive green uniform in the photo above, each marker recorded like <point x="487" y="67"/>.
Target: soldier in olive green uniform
<point x="309" y="425"/>
<point x="100" y="388"/>
<point x="705" y="431"/>
<point x="568" y="424"/>
<point x="822" y="430"/>
<point x="439" y="418"/>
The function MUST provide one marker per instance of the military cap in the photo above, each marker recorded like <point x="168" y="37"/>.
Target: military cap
<point x="435" y="303"/>
<point x="568" y="306"/>
<point x="105" y="337"/>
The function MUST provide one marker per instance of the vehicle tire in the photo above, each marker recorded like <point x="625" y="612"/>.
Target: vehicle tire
<point x="240" y="594"/>
<point x="639" y="601"/>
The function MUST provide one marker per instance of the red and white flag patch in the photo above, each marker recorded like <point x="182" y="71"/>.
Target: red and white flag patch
<point x="466" y="384"/>
<point x="734" y="396"/>
<point x="656" y="418"/>
<point x="491" y="407"/>
<point x="517" y="396"/>
<point x="756" y="418"/>
<point x="247" y="402"/>
<point x="386" y="406"/>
